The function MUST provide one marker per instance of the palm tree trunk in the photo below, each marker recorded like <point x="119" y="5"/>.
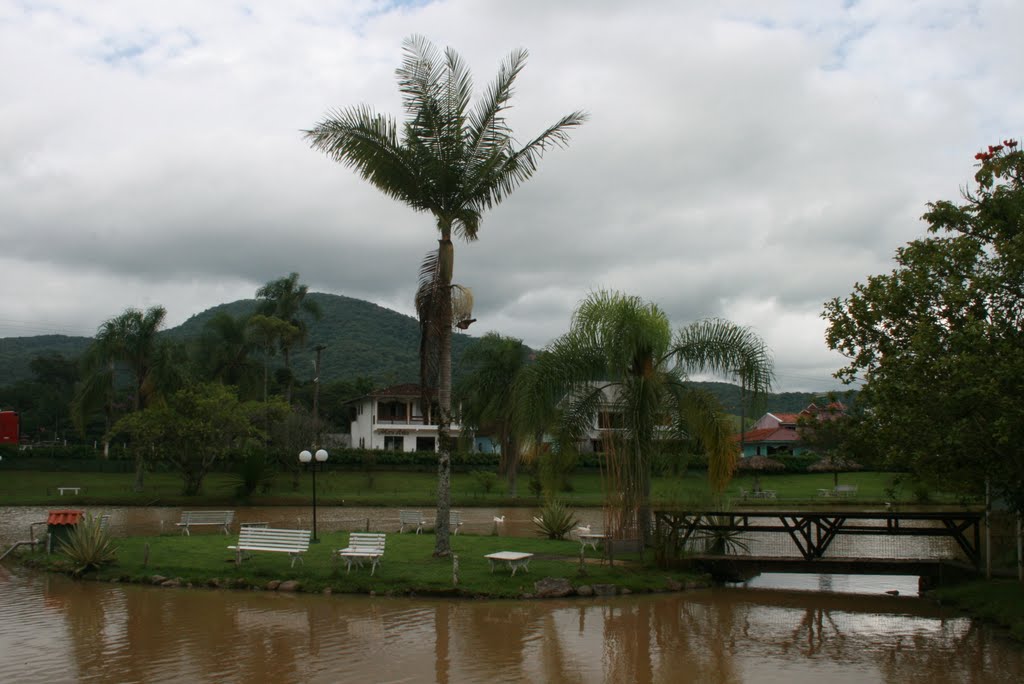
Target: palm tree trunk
<point x="442" y="543"/>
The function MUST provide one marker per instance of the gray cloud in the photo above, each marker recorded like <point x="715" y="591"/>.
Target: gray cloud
<point x="750" y="161"/>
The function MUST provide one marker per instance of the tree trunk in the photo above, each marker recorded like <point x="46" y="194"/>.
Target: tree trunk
<point x="442" y="543"/>
<point x="512" y="466"/>
<point x="140" y="470"/>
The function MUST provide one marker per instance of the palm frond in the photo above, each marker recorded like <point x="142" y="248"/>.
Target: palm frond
<point x="720" y="346"/>
<point x="368" y="143"/>
<point x="701" y="417"/>
<point x="428" y="298"/>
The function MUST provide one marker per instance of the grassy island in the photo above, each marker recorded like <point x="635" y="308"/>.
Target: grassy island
<point x="203" y="560"/>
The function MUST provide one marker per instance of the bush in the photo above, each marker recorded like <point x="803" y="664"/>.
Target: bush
<point x="253" y="472"/>
<point x="88" y="546"/>
<point x="555" y="520"/>
<point x="486" y="480"/>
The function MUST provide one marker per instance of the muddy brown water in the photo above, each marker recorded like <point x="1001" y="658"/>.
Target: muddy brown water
<point x="809" y="629"/>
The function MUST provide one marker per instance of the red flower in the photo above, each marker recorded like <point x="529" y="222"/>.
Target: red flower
<point x="1010" y="143"/>
<point x="980" y="156"/>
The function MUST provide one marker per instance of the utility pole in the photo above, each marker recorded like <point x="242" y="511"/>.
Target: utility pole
<point x="316" y="395"/>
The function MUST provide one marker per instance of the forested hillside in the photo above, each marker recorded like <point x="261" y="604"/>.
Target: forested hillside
<point x="361" y="338"/>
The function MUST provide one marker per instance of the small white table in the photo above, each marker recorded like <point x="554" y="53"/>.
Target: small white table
<point x="591" y="539"/>
<point x="513" y="559"/>
<point x="68" y="489"/>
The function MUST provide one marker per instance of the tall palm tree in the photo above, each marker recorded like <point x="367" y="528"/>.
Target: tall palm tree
<point x="285" y="298"/>
<point x="485" y="395"/>
<point x="452" y="160"/>
<point x="128" y="341"/>
<point x="223" y="353"/>
<point x="621" y="362"/>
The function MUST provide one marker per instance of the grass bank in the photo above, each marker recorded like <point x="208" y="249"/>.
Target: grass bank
<point x="408" y="489"/>
<point x="203" y="560"/>
<point x="1001" y="601"/>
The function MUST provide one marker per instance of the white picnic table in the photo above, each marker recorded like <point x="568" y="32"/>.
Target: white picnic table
<point x="591" y="539"/>
<point x="513" y="559"/>
<point x="68" y="489"/>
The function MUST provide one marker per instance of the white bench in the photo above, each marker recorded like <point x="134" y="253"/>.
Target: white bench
<point x="68" y="489"/>
<point x="513" y="559"/>
<point x="362" y="546"/>
<point x="293" y="542"/>
<point x="454" y="521"/>
<point x="221" y="518"/>
<point x="410" y="518"/>
<point x="846" y="490"/>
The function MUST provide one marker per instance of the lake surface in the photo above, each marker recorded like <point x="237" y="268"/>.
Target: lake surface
<point x="777" y="628"/>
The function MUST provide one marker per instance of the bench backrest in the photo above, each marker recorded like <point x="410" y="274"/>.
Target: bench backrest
<point x="410" y="517"/>
<point x="846" y="488"/>
<point x="273" y="539"/>
<point x="366" y="541"/>
<point x="202" y="517"/>
<point x="454" y="518"/>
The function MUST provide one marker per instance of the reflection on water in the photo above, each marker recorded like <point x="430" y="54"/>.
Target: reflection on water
<point x="53" y="629"/>
<point x="807" y="628"/>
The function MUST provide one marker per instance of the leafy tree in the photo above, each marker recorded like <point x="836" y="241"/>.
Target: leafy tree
<point x="196" y="427"/>
<point x="621" y="364"/>
<point x="285" y="299"/>
<point x="485" y="395"/>
<point x="939" y="341"/>
<point x="453" y="161"/>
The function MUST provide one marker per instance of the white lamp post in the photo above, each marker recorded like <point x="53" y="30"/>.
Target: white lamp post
<point x="306" y="457"/>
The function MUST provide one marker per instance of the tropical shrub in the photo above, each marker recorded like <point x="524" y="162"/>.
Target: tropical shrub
<point x="555" y="520"/>
<point x="253" y="472"/>
<point x="88" y="546"/>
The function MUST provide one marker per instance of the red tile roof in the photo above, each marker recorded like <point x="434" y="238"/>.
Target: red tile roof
<point x="64" y="517"/>
<point x="774" y="434"/>
<point x="406" y="390"/>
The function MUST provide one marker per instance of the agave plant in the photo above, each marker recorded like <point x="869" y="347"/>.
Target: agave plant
<point x="555" y="520"/>
<point x="88" y="546"/>
<point x="720" y="539"/>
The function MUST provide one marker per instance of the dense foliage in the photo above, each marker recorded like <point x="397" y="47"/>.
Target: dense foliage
<point x="197" y="426"/>
<point x="939" y="341"/>
<point x="623" y="365"/>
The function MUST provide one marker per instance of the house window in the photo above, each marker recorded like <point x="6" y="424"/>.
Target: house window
<point x="393" y="442"/>
<point x="425" y="444"/>
<point x="391" y="411"/>
<point x="610" y="420"/>
<point x="362" y="442"/>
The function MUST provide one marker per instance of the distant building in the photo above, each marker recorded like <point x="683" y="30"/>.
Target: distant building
<point x="396" y="419"/>
<point x="778" y="433"/>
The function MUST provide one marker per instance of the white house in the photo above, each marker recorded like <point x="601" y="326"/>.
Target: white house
<point x="393" y="419"/>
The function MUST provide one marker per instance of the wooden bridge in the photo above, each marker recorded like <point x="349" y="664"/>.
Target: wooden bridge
<point x="802" y="541"/>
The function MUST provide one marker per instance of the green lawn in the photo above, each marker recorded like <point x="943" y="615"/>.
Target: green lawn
<point x="396" y="488"/>
<point x="407" y="566"/>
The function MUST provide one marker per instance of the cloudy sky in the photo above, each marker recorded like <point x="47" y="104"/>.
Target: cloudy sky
<point x="743" y="159"/>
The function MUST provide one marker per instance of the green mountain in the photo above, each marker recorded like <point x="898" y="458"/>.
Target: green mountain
<point x="362" y="340"/>
<point x="17" y="352"/>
